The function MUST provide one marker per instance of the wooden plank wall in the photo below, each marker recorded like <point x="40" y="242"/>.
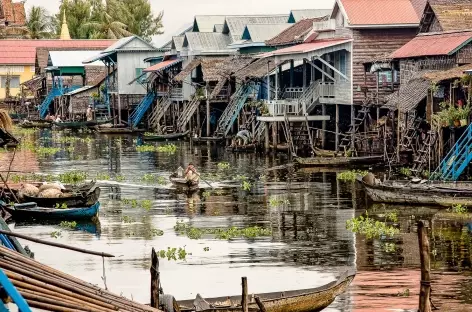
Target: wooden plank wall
<point x="369" y="43"/>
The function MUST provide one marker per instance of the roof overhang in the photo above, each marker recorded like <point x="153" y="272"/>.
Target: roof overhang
<point x="162" y="66"/>
<point x="104" y="56"/>
<point x="247" y="45"/>
<point x="382" y="26"/>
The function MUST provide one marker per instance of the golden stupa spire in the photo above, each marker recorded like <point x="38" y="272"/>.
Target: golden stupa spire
<point x="64" y="28"/>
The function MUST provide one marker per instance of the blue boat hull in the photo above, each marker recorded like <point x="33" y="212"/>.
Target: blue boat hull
<point x="23" y="212"/>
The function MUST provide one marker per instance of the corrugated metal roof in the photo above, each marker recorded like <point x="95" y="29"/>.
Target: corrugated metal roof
<point x="206" y="41"/>
<point x="162" y="65"/>
<point x="263" y="32"/>
<point x="294" y="34"/>
<point x="218" y="28"/>
<point x="298" y="15"/>
<point x="177" y="43"/>
<point x="234" y="25"/>
<point x="433" y="44"/>
<point x="307" y="47"/>
<point x="71" y="58"/>
<point x="379" y="12"/>
<point x="206" y="23"/>
<point x="80" y="90"/>
<point x="123" y="43"/>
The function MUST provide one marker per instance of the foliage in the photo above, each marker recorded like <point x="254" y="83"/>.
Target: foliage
<point x="145" y="148"/>
<point x="46" y="151"/>
<point x="274" y="202"/>
<point x="103" y="176"/>
<point x="56" y="234"/>
<point x="39" y="23"/>
<point x="173" y="253"/>
<point x="458" y="209"/>
<point x="230" y="233"/>
<point x="112" y="19"/>
<point x="223" y="165"/>
<point x="371" y="228"/>
<point x="127" y="219"/>
<point x="72" y="177"/>
<point x="145" y="203"/>
<point x="245" y="184"/>
<point x="157" y="232"/>
<point x="406" y="172"/>
<point x="350" y="175"/>
<point x="449" y="113"/>
<point x="67" y="224"/>
<point x="61" y="206"/>
<point x="168" y="148"/>
<point x="120" y="178"/>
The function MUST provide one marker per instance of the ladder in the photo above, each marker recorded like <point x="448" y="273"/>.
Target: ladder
<point x="362" y="114"/>
<point x="187" y="114"/>
<point x="44" y="107"/>
<point x="458" y="158"/>
<point x="422" y="155"/>
<point x="141" y="109"/>
<point x="412" y="133"/>
<point x="288" y="135"/>
<point x="159" y="110"/>
<point x="259" y="130"/>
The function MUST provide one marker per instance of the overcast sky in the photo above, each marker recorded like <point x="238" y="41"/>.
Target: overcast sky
<point x="178" y="13"/>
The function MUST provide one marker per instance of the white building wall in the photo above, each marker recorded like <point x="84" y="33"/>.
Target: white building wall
<point x="128" y="62"/>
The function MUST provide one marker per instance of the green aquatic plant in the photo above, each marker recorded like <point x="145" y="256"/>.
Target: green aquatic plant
<point x="146" y="204"/>
<point x="274" y="202"/>
<point x="351" y="175"/>
<point x="127" y="219"/>
<point x="230" y="233"/>
<point x="69" y="225"/>
<point x="458" y="209"/>
<point x="148" y="178"/>
<point x="61" y="206"/>
<point x="72" y="177"/>
<point x="246" y="186"/>
<point x="223" y="165"/>
<point x="120" y="178"/>
<point x="103" y="176"/>
<point x="168" y="148"/>
<point x="145" y="148"/>
<point x="157" y="232"/>
<point x="56" y="234"/>
<point x="206" y="248"/>
<point x="174" y="253"/>
<point x="371" y="228"/>
<point x="161" y="180"/>
<point x="149" y="134"/>
<point x="46" y="151"/>
<point x="206" y="194"/>
<point x="406" y="172"/>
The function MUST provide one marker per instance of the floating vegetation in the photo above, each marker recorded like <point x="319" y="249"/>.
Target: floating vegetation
<point x="458" y="209"/>
<point x="390" y="247"/>
<point x="72" y="177"/>
<point x="246" y="186"/>
<point x="120" y="178"/>
<point x="103" y="176"/>
<point x="174" y="253"/>
<point x="146" y="204"/>
<point x="350" y="175"/>
<point x="161" y="181"/>
<point x="24" y="131"/>
<point x="157" y="232"/>
<point x="406" y="172"/>
<point x="148" y="178"/>
<point x="206" y="194"/>
<point x="371" y="228"/>
<point x="127" y="219"/>
<point x="56" y="234"/>
<point x="168" y="148"/>
<point x="223" y="165"/>
<point x="69" y="225"/>
<point x="61" y="206"/>
<point x="134" y="203"/>
<point x="145" y="148"/>
<point x="405" y="293"/>
<point x="275" y="202"/>
<point x="206" y="249"/>
<point x="46" y="151"/>
<point x="226" y="234"/>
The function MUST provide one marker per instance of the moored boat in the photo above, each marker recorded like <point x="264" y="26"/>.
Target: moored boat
<point x="338" y="161"/>
<point x="200" y="140"/>
<point x="182" y="183"/>
<point x="80" y="124"/>
<point x="406" y="192"/>
<point x="33" y="211"/>
<point x="69" y="199"/>
<point x="305" y="300"/>
<point x="164" y="137"/>
<point x="35" y="124"/>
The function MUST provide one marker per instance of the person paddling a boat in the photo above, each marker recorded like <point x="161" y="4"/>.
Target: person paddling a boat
<point x="191" y="174"/>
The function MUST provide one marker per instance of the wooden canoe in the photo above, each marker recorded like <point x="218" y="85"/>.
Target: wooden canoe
<point x="338" y="161"/>
<point x="201" y="140"/>
<point x="430" y="194"/>
<point x="80" y="124"/>
<point x="27" y="124"/>
<point x="75" y="199"/>
<point x="326" y="153"/>
<point x="305" y="300"/>
<point x="32" y="211"/>
<point x="182" y="183"/>
<point x="164" y="137"/>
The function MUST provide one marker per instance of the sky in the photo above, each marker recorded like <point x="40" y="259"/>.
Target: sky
<point x="180" y="13"/>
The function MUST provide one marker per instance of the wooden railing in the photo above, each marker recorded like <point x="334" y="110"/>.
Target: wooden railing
<point x="293" y="93"/>
<point x="176" y="93"/>
<point x="327" y="89"/>
<point x="282" y="107"/>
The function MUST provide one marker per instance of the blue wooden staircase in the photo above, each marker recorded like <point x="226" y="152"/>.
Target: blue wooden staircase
<point x="457" y="159"/>
<point x="44" y="107"/>
<point x="233" y="109"/>
<point x="141" y="109"/>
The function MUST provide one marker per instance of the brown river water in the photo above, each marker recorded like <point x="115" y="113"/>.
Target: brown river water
<point x="309" y="245"/>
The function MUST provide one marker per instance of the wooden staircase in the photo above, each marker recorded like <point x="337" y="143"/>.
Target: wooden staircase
<point x="361" y="116"/>
<point x="187" y="114"/>
<point x="158" y="111"/>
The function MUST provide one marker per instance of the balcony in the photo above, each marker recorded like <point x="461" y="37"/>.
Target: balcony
<point x="282" y="107"/>
<point x="335" y="93"/>
<point x="328" y="25"/>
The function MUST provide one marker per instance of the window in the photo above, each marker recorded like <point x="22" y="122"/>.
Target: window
<point x="14" y="81"/>
<point x="386" y="77"/>
<point x="139" y="72"/>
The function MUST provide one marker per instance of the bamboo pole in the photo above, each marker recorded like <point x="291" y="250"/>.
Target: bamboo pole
<point x="425" y="289"/>
<point x="154" y="279"/>
<point x="40" y="241"/>
<point x="244" y="303"/>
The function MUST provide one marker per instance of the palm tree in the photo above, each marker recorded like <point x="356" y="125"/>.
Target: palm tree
<point x="39" y="23"/>
<point x="106" y="27"/>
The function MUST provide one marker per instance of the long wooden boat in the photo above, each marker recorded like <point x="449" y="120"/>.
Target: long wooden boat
<point x="71" y="200"/>
<point x="68" y="188"/>
<point x="7" y="139"/>
<point x="183" y="184"/>
<point x="338" y="161"/>
<point x="305" y="300"/>
<point x="116" y="130"/>
<point x="27" y="124"/>
<point x="164" y="137"/>
<point x="32" y="211"/>
<point x="200" y="140"/>
<point x="429" y="194"/>
<point x="326" y="153"/>
<point x="80" y="124"/>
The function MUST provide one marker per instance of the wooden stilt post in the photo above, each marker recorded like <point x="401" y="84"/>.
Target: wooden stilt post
<point x="425" y="289"/>
<point x="244" y="303"/>
<point x="323" y="126"/>
<point x="274" y="135"/>
<point x="267" y="137"/>
<point x="207" y="110"/>
<point x="154" y="279"/>
<point x="337" y="128"/>
<point x="260" y="304"/>
<point x="198" y="121"/>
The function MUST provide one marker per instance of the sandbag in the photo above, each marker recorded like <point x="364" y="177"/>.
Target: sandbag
<point x="48" y="186"/>
<point x="50" y="193"/>
<point x="29" y="190"/>
<point x="369" y="179"/>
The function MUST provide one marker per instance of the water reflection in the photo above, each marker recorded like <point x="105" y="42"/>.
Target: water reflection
<point x="307" y="211"/>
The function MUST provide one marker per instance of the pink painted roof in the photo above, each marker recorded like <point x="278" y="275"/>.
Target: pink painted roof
<point x="306" y="47"/>
<point x="380" y="12"/>
<point x="16" y="52"/>
<point x="433" y="44"/>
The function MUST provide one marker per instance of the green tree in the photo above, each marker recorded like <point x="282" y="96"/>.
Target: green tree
<point x="137" y="14"/>
<point x="39" y="23"/>
<point x="105" y="22"/>
<point x="78" y="13"/>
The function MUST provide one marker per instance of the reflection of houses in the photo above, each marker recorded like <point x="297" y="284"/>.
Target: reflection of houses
<point x="124" y="92"/>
